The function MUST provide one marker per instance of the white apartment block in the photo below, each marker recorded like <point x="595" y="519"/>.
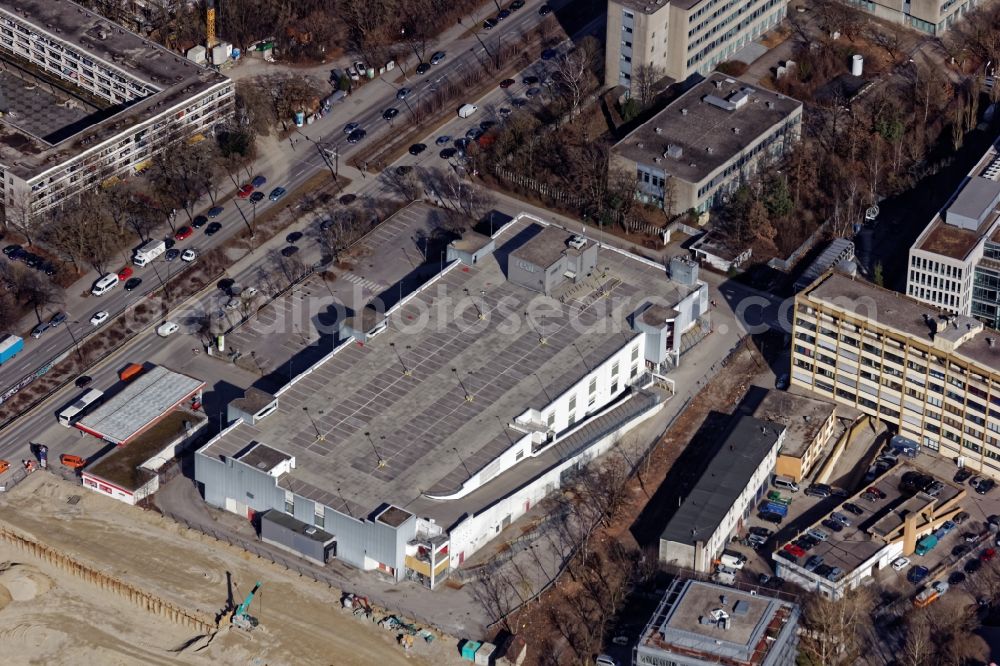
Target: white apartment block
<point x="931" y="16"/>
<point x="681" y="37"/>
<point x="86" y="101"/>
<point x="935" y="378"/>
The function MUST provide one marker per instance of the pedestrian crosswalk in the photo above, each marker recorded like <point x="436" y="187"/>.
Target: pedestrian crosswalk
<point x="365" y="283"/>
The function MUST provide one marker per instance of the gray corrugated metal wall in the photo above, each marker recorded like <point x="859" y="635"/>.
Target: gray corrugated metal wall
<point x="356" y="539"/>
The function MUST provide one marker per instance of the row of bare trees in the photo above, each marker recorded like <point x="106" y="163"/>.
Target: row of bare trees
<point x="595" y="575"/>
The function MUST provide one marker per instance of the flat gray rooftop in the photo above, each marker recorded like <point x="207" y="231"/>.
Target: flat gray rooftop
<point x="678" y="626"/>
<point x="173" y="76"/>
<point x="802" y="417"/>
<point x="41" y="111"/>
<point x="145" y="399"/>
<point x="705" y="133"/>
<point x="747" y="444"/>
<point x="361" y="406"/>
<point x="906" y="316"/>
<point x="545" y="248"/>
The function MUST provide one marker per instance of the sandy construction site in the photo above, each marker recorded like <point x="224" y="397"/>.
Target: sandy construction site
<point x="51" y="615"/>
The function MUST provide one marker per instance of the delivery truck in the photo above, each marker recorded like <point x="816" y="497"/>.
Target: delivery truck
<point x="149" y="251"/>
<point x="10" y="345"/>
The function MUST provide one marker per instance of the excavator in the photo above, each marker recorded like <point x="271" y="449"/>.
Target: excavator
<point x="241" y="616"/>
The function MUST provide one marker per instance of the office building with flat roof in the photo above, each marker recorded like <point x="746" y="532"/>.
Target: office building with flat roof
<point x="704" y="143"/>
<point x="678" y="38"/>
<point x="86" y="101"/>
<point x="954" y="265"/>
<point x="934" y="17"/>
<point x="809" y="425"/>
<point x="434" y="425"/>
<point x="724" y="496"/>
<point x="705" y="624"/>
<point x="934" y="377"/>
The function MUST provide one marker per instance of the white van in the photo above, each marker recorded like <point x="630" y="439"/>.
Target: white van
<point x="785" y="483"/>
<point x="105" y="284"/>
<point x="467" y="110"/>
<point x="732" y="560"/>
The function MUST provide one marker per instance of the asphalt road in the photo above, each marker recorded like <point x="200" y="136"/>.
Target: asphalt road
<point x="304" y="159"/>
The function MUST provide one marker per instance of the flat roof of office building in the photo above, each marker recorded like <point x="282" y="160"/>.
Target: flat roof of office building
<point x="726" y="477"/>
<point x="417" y="409"/>
<point x="908" y="317"/>
<point x="683" y="623"/>
<point x="144" y="400"/>
<point x="694" y="136"/>
<point x="173" y="77"/>
<point x="802" y="417"/>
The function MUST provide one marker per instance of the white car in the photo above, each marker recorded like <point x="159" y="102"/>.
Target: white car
<point x="166" y="329"/>
<point x="189" y="255"/>
<point x="900" y="563"/>
<point x="99" y="318"/>
<point x="249" y="292"/>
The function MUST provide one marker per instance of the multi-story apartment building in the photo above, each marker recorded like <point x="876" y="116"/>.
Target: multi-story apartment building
<point x="99" y="102"/>
<point x="934" y="377"/>
<point x="699" y="148"/>
<point x="931" y="16"/>
<point x="954" y="264"/>
<point x="681" y="37"/>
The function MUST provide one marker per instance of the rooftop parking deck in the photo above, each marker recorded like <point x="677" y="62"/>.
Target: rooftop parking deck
<point x="419" y="408"/>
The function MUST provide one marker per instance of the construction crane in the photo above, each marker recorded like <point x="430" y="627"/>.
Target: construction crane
<point x="241" y="616"/>
<point x="210" y="36"/>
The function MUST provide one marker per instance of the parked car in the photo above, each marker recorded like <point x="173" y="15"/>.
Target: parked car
<point x="988" y="555"/>
<point x="189" y="255"/>
<point x="956" y="578"/>
<point x="961" y="517"/>
<point x="289" y="250"/>
<point x="900" y="563"/>
<point x="841" y="518"/>
<point x="132" y="284"/>
<point x="83" y="381"/>
<point x="489" y="24"/>
<point x="353" y="137"/>
<point x="853" y="508"/>
<point x="770" y="517"/>
<point x="985" y="486"/>
<point x="761" y="531"/>
<point x="544" y="10"/>
<point x="438" y="57"/>
<point x="11" y="249"/>
<point x="212" y="229"/>
<point x="794" y="550"/>
<point x="832" y="525"/>
<point x="215" y="211"/>
<point x="258" y="182"/>
<point x="962" y="475"/>
<point x="245" y="191"/>
<point x="99" y="318"/>
<point x="876" y="492"/>
<point x="183" y="232"/>
<point x="57" y="319"/>
<point x="403" y="93"/>
<point x="125" y="273"/>
<point x="279" y="192"/>
<point x="423" y="68"/>
<point x="960" y="550"/>
<point x="972" y="566"/>
<point x="917" y="574"/>
<point x="818" y="490"/>
<point x="39" y="330"/>
<point x="167" y="329"/>
<point x="256" y="197"/>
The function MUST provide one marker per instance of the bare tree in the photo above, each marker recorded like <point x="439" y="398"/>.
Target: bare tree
<point x="18" y="215"/>
<point x="644" y="83"/>
<point x="918" y="648"/>
<point x="495" y="593"/>
<point x="830" y="634"/>
<point x="574" y="72"/>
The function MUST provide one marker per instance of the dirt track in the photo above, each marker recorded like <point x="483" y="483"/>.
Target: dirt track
<point x="49" y="616"/>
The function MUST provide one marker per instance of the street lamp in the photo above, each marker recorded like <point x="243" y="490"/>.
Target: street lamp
<point x="69" y="327"/>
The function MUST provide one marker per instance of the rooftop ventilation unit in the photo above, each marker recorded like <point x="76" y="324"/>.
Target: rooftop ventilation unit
<point x="674" y="151"/>
<point x="684" y="112"/>
<point x="659" y="130"/>
<point x="577" y="242"/>
<point x="770" y="104"/>
<point x="736" y="130"/>
<point x="709" y="150"/>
